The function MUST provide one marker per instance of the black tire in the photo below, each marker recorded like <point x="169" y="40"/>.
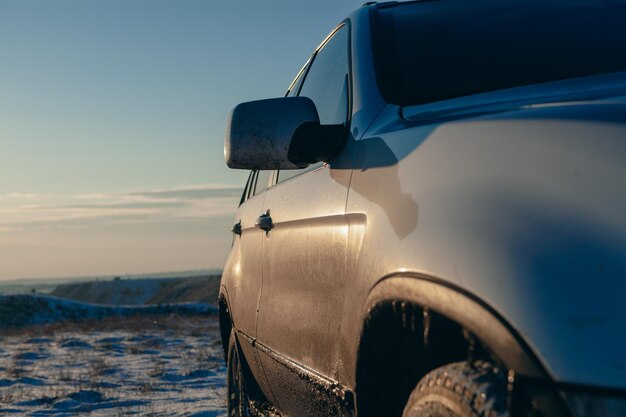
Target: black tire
<point x="461" y="389"/>
<point x="238" y="405"/>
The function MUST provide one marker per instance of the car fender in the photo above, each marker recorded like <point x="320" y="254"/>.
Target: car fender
<point x="465" y="309"/>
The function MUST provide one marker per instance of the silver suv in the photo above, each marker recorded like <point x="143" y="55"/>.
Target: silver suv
<point x="435" y="219"/>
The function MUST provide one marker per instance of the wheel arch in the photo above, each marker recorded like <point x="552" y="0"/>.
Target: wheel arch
<point x="464" y="309"/>
<point x="456" y="324"/>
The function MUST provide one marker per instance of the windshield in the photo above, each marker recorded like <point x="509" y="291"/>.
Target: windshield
<point x="434" y="50"/>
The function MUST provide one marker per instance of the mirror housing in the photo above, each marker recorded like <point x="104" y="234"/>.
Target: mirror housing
<point x="279" y="133"/>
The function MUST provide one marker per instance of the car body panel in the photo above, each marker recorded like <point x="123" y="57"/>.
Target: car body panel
<point x="524" y="209"/>
<point x="243" y="280"/>
<point x="304" y="262"/>
<point x="244" y="267"/>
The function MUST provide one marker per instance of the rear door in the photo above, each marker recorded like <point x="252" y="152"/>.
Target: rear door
<point x="304" y="254"/>
<point x="243" y="271"/>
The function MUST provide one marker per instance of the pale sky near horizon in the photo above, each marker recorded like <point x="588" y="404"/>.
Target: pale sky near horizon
<point x="112" y="116"/>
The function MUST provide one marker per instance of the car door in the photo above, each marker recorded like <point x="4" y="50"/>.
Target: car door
<point x="243" y="271"/>
<point x="304" y="254"/>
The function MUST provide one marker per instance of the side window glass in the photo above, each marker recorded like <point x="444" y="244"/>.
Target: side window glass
<point x="326" y="83"/>
<point x="246" y="189"/>
<point x="285" y="174"/>
<point x="262" y="181"/>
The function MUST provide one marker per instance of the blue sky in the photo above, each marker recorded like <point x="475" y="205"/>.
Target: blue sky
<point x="112" y="116"/>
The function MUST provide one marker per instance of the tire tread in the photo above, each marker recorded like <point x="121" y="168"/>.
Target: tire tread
<point x="479" y="388"/>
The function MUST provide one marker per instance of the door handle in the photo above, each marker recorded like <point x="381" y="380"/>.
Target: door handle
<point x="236" y="229"/>
<point x="264" y="222"/>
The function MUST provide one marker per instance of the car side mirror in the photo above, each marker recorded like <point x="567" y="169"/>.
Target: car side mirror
<point x="279" y="133"/>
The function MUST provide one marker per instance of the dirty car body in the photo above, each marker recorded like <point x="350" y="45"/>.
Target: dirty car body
<point x="463" y="199"/>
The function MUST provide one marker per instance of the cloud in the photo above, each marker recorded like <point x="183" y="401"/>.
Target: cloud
<point x="135" y="205"/>
<point x="26" y="196"/>
<point x="192" y="193"/>
<point x="19" y="211"/>
<point x="85" y="234"/>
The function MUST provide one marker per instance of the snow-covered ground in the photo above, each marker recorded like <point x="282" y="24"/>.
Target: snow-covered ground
<point x="142" y="365"/>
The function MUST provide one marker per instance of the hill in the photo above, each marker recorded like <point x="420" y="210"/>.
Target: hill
<point x="139" y="291"/>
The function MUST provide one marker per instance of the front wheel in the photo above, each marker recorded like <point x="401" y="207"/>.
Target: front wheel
<point x="460" y="389"/>
<point x="237" y="398"/>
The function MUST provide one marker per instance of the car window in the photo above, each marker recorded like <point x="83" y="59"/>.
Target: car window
<point x="326" y="83"/>
<point x="430" y="51"/>
<point x="246" y="189"/>
<point x="262" y="181"/>
<point x="255" y="185"/>
<point x="285" y="174"/>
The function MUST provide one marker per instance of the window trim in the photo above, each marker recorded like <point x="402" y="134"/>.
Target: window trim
<point x="307" y="66"/>
<point x="246" y="189"/>
<point x="251" y="194"/>
<point x="297" y="82"/>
